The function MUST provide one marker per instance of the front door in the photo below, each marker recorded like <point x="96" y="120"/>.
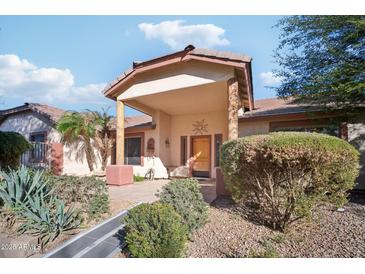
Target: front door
<point x="201" y="151"/>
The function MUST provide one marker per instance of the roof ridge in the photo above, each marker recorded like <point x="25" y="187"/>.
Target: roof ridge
<point x="190" y="51"/>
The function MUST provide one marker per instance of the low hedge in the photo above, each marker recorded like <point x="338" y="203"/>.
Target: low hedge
<point x="155" y="231"/>
<point x="185" y="197"/>
<point x="12" y="146"/>
<point x="287" y="173"/>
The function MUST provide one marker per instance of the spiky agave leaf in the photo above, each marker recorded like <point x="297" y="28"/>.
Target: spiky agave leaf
<point x="47" y="220"/>
<point x="20" y="185"/>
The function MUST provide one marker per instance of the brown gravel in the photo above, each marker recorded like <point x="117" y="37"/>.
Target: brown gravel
<point x="328" y="234"/>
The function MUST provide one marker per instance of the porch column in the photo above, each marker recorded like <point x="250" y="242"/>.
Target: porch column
<point x="120" y="133"/>
<point x="233" y="107"/>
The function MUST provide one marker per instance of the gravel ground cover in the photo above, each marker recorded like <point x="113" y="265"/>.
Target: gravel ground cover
<point x="231" y="232"/>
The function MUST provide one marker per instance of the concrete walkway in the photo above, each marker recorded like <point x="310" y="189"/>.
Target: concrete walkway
<point x="107" y="238"/>
<point x="145" y="191"/>
<point x="101" y="241"/>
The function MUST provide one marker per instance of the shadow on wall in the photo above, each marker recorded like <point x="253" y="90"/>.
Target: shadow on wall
<point x="26" y="123"/>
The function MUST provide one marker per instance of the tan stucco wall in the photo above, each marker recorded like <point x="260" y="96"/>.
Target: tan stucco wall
<point x="248" y="128"/>
<point x="182" y="125"/>
<point x="26" y="123"/>
<point x="29" y="122"/>
<point x="163" y="134"/>
<point x="172" y="128"/>
<point x="150" y="161"/>
<point x="176" y="76"/>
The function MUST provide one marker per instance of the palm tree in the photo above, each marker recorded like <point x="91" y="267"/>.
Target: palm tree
<point x="103" y="135"/>
<point x="78" y="130"/>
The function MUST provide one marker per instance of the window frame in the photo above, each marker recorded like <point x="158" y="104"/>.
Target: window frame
<point x="183" y="150"/>
<point x="216" y="151"/>
<point x="136" y="135"/>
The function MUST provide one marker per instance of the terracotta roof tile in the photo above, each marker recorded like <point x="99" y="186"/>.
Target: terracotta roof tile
<point x="52" y="113"/>
<point x="189" y="50"/>
<point x="220" y="54"/>
<point x="276" y="106"/>
<point x="135" y="121"/>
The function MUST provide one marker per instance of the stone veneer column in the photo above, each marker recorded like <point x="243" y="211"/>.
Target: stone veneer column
<point x="120" y="133"/>
<point x="233" y="107"/>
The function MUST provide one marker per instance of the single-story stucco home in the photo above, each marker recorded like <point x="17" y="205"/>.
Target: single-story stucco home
<point x="37" y="123"/>
<point x="195" y="100"/>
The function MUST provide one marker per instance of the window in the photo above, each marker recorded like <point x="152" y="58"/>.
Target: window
<point x="218" y="139"/>
<point x="39" y="151"/>
<point x="38" y="137"/>
<point x="183" y="150"/>
<point x="132" y="150"/>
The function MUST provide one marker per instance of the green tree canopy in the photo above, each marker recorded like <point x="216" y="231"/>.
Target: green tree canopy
<point x="322" y="60"/>
<point x="78" y="130"/>
<point x="103" y="136"/>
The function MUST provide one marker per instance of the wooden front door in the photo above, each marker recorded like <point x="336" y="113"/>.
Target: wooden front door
<point x="201" y="149"/>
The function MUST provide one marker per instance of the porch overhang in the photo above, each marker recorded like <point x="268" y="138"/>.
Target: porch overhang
<point x="188" y="68"/>
<point x="211" y="97"/>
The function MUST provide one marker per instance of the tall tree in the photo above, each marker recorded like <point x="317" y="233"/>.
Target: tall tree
<point x="78" y="130"/>
<point x="103" y="137"/>
<point x="322" y="60"/>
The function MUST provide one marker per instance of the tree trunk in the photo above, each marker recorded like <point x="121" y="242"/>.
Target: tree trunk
<point x="89" y="156"/>
<point x="105" y="154"/>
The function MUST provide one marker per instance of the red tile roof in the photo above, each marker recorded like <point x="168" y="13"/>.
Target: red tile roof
<point x="52" y="113"/>
<point x="275" y="106"/>
<point x="190" y="50"/>
<point x="139" y="121"/>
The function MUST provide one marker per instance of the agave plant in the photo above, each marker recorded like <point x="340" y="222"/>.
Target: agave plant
<point x="47" y="219"/>
<point x="19" y="185"/>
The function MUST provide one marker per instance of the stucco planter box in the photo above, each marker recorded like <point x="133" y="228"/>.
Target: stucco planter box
<point x="119" y="175"/>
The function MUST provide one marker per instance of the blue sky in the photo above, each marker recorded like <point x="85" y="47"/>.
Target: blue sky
<point x="66" y="61"/>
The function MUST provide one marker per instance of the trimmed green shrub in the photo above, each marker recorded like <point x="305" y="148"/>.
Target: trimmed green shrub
<point x="287" y="174"/>
<point x="12" y="146"/>
<point x="90" y="192"/>
<point x="185" y="197"/>
<point x="137" y="178"/>
<point x="155" y="231"/>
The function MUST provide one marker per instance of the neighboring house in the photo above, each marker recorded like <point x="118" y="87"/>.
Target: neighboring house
<point x="36" y="122"/>
<point x="196" y="99"/>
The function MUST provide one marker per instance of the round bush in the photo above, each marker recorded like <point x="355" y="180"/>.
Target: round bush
<point x="12" y="146"/>
<point x="155" y="231"/>
<point x="287" y="173"/>
<point x="185" y="197"/>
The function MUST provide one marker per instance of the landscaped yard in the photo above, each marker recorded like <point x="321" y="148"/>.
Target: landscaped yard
<point x="289" y="199"/>
<point x="28" y="220"/>
<point x="232" y="233"/>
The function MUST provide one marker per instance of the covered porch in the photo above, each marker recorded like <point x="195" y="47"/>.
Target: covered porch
<point x="194" y="104"/>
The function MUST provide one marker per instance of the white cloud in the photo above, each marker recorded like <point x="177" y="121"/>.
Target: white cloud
<point x="177" y="35"/>
<point x="20" y="79"/>
<point x="269" y="79"/>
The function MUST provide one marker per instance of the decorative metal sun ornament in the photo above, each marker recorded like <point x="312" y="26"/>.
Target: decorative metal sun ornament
<point x="200" y="127"/>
